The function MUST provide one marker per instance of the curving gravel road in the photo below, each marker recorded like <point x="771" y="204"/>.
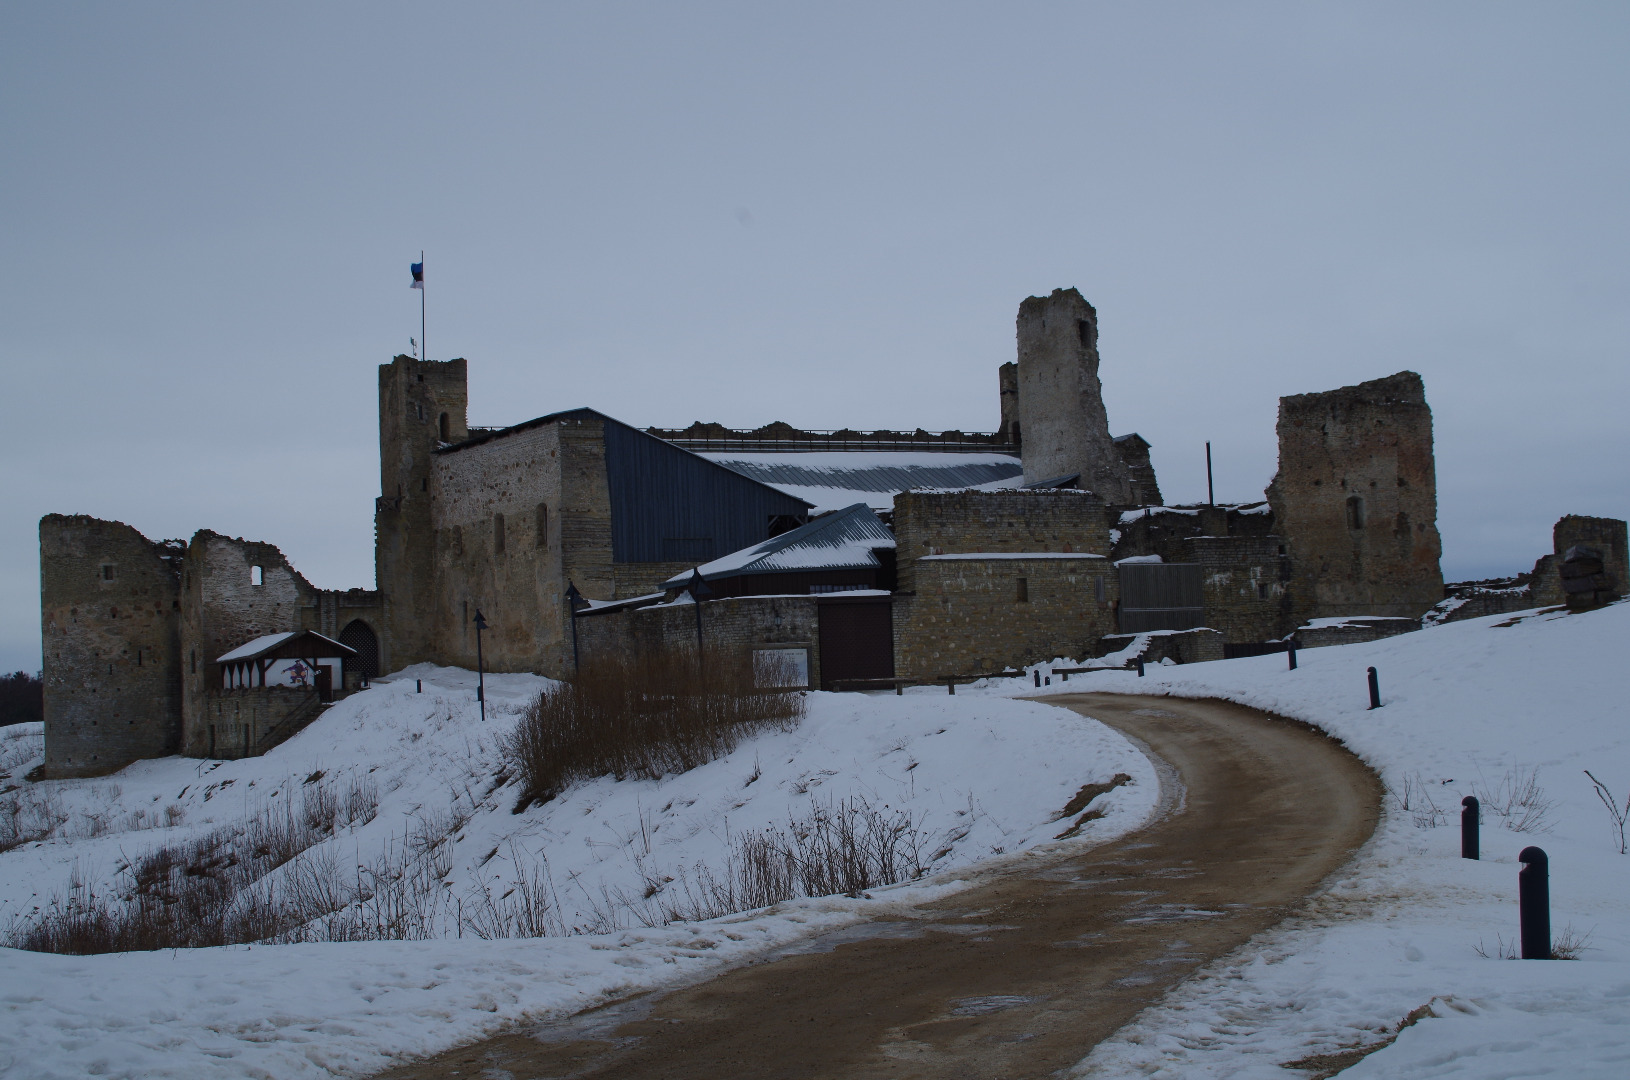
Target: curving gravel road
<point x="1019" y="976"/>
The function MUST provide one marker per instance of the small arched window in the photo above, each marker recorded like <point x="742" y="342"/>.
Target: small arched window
<point x="256" y="576"/>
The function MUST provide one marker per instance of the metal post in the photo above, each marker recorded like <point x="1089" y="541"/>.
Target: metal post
<point x="1291" y="653"/>
<point x="951" y="685"/>
<point x="1037" y="674"/>
<point x="418" y="686"/>
<point x="572" y="597"/>
<point x="480" y="665"/>
<point x="1534" y="903"/>
<point x="1211" y="494"/>
<point x="1470" y="840"/>
<point x="1375" y="690"/>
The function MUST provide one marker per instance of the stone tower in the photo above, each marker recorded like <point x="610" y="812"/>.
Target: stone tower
<point x="1061" y="405"/>
<point x="423" y="404"/>
<point x="110" y="610"/>
<point x="1356" y="498"/>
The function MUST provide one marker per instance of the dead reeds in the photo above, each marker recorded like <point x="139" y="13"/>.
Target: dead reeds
<point x="654" y="716"/>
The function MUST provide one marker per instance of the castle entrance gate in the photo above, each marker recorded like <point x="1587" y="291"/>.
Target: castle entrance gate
<point x="857" y="638"/>
<point x="1161" y="596"/>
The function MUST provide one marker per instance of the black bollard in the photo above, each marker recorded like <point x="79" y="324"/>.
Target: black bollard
<point x="1037" y="674"/>
<point x="1140" y="667"/>
<point x="1375" y="690"/>
<point x="418" y="686"/>
<point x="1469" y="840"/>
<point x="1291" y="652"/>
<point x="1534" y="903"/>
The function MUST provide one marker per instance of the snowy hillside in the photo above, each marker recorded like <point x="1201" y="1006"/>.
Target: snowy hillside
<point x="1474" y="708"/>
<point x="416" y="787"/>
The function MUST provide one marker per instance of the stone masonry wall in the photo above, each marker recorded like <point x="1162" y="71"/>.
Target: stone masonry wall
<point x="1605" y="535"/>
<point x="730" y="627"/>
<point x="1246" y="583"/>
<point x="414" y="396"/>
<point x="960" y="522"/>
<point x="969" y="614"/>
<point x="498" y="518"/>
<point x="1061" y="406"/>
<point x="1356" y="499"/>
<point x="109" y="615"/>
<point x="222" y="608"/>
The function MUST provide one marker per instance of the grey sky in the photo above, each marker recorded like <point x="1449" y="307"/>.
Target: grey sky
<point x="826" y="214"/>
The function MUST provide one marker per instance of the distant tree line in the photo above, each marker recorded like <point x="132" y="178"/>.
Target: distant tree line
<point x="22" y="698"/>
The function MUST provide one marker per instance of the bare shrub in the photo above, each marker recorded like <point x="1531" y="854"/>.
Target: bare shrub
<point x="217" y="889"/>
<point x="1615" y="814"/>
<point x="1414" y="797"/>
<point x="845" y="847"/>
<point x="1518" y="800"/>
<point x="29" y="815"/>
<point x="664" y="713"/>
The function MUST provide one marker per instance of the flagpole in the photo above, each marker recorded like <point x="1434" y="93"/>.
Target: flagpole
<point x="424" y="350"/>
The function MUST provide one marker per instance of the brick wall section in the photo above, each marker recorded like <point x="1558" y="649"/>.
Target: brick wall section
<point x="239" y="719"/>
<point x="957" y="522"/>
<point x="111" y="643"/>
<point x="1356" y="498"/>
<point x="1246" y="583"/>
<point x="1061" y="404"/>
<point x="221" y="609"/>
<point x="969" y="614"/>
<point x="730" y="627"/>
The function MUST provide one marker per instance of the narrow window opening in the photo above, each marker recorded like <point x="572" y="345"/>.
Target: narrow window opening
<point x="256" y="576"/>
<point x="195" y="661"/>
<point x="543" y="525"/>
<point x="1083" y="330"/>
<point x="446" y="428"/>
<point x="424" y="483"/>
<point x="498" y="533"/>
<point x="1262" y="591"/>
<point x="1355" y="511"/>
<point x="1024" y="591"/>
<point x="107" y="571"/>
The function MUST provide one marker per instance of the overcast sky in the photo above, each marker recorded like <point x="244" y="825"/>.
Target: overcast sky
<point x="825" y="214"/>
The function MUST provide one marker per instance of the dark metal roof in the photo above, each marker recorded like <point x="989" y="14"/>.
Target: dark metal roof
<point x="844" y="540"/>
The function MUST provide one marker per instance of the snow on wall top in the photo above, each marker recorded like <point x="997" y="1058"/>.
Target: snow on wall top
<point x="845" y="540"/>
<point x="1013" y="555"/>
<point x="836" y="479"/>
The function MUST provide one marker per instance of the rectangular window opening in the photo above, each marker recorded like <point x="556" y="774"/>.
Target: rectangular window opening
<point x="1024" y="591"/>
<point x="256" y="576"/>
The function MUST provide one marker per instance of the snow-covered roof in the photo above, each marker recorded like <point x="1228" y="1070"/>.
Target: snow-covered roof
<point x="267" y="642"/>
<point x="845" y="540"/>
<point x="833" y="479"/>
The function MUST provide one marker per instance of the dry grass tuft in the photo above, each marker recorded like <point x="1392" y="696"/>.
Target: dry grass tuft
<point x="654" y="717"/>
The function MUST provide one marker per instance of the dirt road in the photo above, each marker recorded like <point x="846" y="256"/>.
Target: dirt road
<point x="1019" y="976"/>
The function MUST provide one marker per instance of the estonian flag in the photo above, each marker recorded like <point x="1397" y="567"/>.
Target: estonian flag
<point x="418" y="275"/>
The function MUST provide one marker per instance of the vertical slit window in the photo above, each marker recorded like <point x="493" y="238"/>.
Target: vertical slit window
<point x="543" y="525"/>
<point x="498" y="534"/>
<point x="1023" y="596"/>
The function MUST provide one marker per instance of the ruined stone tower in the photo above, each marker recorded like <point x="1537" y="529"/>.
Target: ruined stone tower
<point x="1061" y="406"/>
<point x="423" y="404"/>
<point x="1356" y="496"/>
<point x="110" y="616"/>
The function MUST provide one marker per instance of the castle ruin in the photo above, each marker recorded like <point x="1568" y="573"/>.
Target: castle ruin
<point x="923" y="556"/>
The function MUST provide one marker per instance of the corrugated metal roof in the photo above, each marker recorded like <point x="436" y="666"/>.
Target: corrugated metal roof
<point x="834" y="479"/>
<point x="845" y="540"/>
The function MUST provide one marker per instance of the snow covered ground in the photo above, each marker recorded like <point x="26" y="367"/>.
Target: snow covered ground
<point x="982" y="778"/>
<point x="1468" y="708"/>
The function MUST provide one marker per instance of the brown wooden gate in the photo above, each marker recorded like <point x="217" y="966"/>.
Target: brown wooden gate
<point x="857" y="638"/>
